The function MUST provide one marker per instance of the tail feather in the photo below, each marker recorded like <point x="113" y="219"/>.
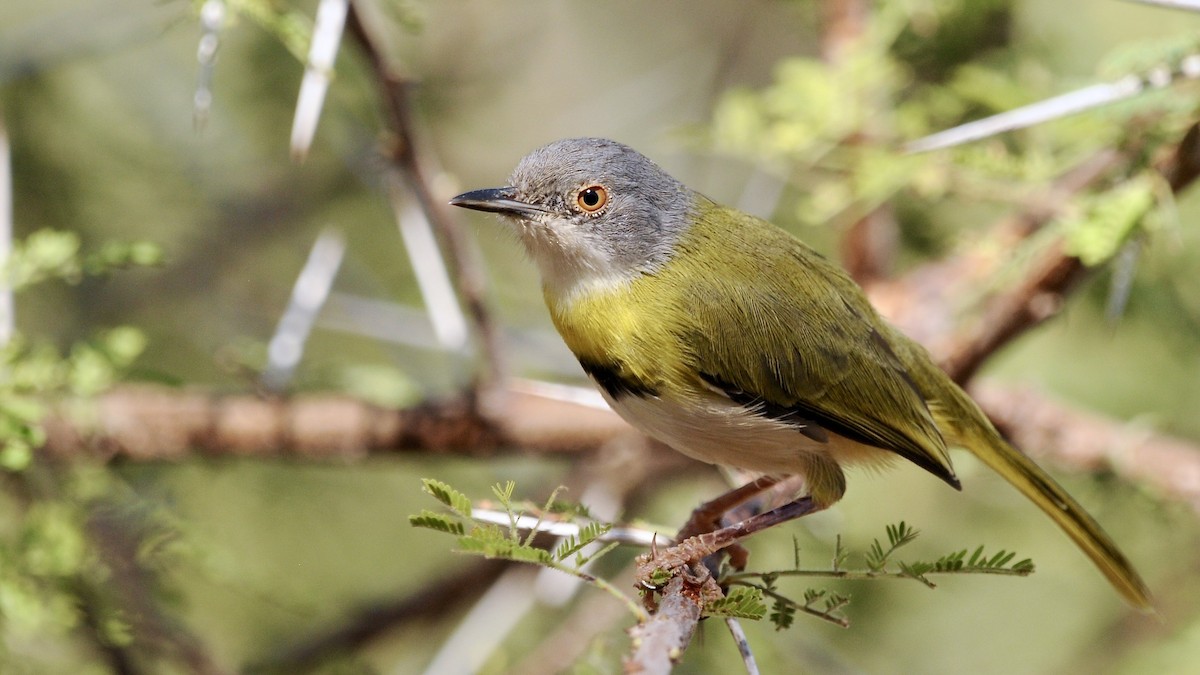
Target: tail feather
<point x="977" y="435"/>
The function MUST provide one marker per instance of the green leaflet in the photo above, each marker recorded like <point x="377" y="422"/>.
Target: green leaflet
<point x="740" y="603"/>
<point x="1108" y="220"/>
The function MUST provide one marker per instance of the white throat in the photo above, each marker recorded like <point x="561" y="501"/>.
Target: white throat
<point x="570" y="264"/>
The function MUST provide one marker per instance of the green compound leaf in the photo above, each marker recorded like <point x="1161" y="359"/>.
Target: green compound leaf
<point x="1108" y="220"/>
<point x="457" y="501"/>
<point x="493" y="542"/>
<point x="783" y="614"/>
<point x="741" y="603"/>
<point x="898" y="535"/>
<point x="587" y="535"/>
<point x="437" y="521"/>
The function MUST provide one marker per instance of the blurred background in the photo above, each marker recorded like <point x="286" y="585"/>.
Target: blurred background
<point x="760" y="104"/>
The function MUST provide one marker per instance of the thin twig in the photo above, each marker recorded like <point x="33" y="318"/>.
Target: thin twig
<point x="489" y="621"/>
<point x="212" y="21"/>
<point x="545" y="524"/>
<point x="743" y="644"/>
<point x="157" y="424"/>
<point x="308" y="296"/>
<point x="829" y="615"/>
<point x="917" y="304"/>
<point x="149" y="423"/>
<point x="429" y="267"/>
<point x="1185" y="5"/>
<point x="867" y="575"/>
<point x="1062" y="105"/>
<point x="318" y="71"/>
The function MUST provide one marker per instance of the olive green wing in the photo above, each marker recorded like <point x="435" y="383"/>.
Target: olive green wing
<point x="801" y="343"/>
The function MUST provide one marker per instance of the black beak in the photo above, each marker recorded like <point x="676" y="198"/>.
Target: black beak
<point x="497" y="200"/>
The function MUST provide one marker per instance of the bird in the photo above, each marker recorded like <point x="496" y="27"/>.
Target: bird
<point x="728" y="339"/>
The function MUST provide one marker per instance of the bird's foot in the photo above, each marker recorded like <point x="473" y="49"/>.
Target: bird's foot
<point x="654" y="569"/>
<point x="657" y="567"/>
<point x="698" y="583"/>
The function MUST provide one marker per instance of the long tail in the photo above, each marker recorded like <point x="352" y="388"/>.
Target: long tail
<point x="978" y="435"/>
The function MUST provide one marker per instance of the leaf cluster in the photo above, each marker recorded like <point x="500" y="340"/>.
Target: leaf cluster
<point x="878" y="563"/>
<point x="835" y="130"/>
<point x="52" y="571"/>
<point x="572" y="554"/>
<point x="31" y="373"/>
<point x="748" y="593"/>
<point x="58" y="255"/>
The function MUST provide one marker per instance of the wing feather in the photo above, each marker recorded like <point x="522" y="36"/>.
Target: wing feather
<point x="809" y="344"/>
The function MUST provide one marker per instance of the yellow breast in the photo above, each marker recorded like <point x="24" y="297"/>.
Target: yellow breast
<point x="621" y="329"/>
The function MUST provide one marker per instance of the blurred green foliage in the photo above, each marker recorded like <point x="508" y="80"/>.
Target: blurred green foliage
<point x="52" y="571"/>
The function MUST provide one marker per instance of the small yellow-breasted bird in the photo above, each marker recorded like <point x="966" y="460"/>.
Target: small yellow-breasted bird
<point x="733" y="342"/>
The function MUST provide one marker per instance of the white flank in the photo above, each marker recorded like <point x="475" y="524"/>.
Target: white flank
<point x="719" y="431"/>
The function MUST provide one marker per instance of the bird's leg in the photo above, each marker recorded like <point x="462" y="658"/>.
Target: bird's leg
<point x="716" y="513"/>
<point x="732" y="507"/>
<point x="707" y="517"/>
<point x="700" y="546"/>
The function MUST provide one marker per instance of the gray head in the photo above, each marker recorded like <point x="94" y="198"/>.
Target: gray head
<point x="589" y="210"/>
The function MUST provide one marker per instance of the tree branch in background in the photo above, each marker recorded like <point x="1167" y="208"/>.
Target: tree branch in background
<point x="158" y="424"/>
<point x="403" y="153"/>
<point x="843" y="23"/>
<point x="1182" y="167"/>
<point x="148" y="423"/>
<point x="1037" y="297"/>
<point x="917" y="303"/>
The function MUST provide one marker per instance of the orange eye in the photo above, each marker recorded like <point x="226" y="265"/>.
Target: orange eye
<point x="592" y="198"/>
